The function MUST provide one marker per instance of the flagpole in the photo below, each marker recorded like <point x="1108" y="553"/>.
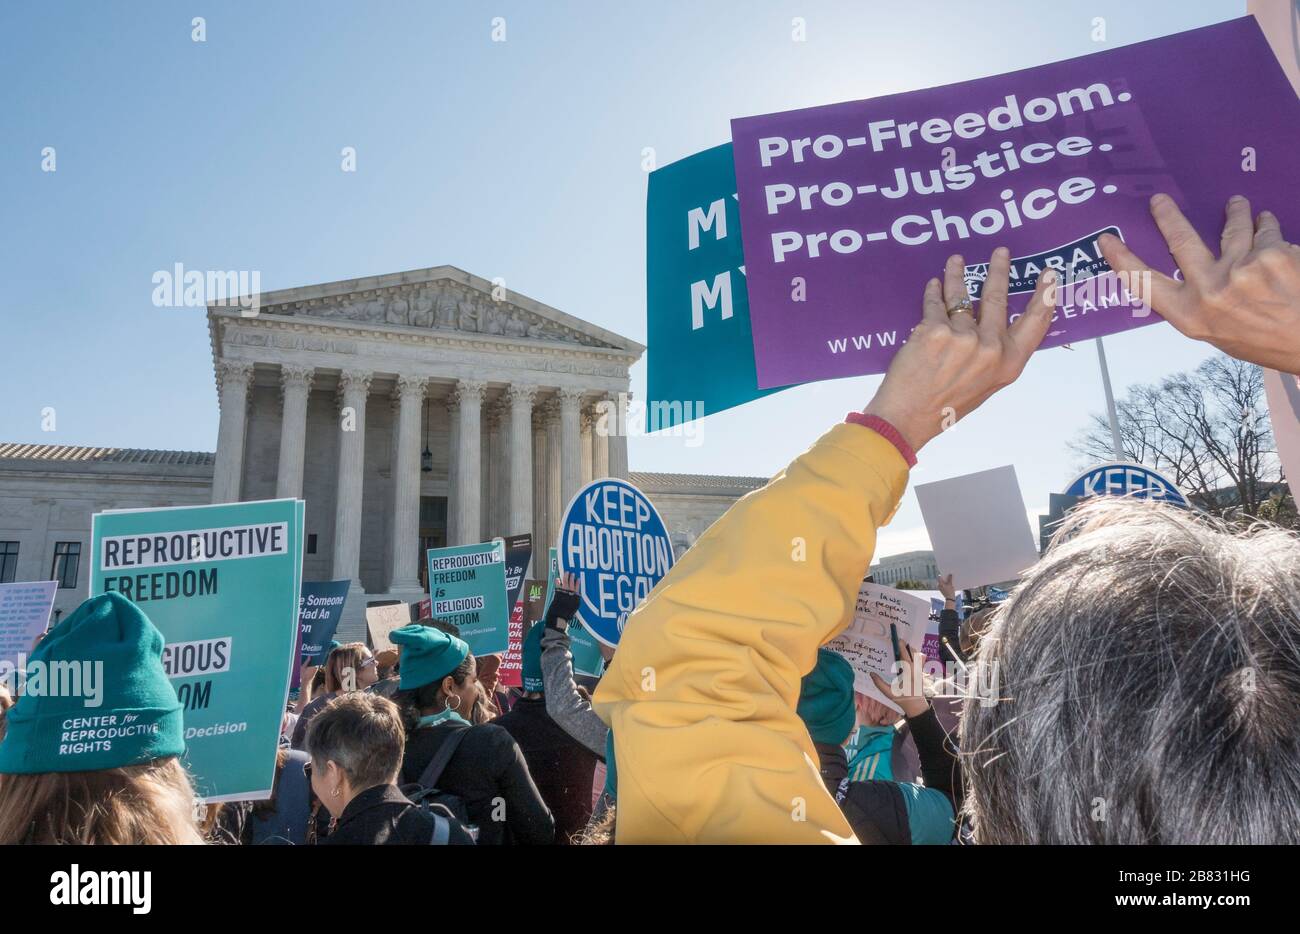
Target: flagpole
<point x="1110" y="402"/>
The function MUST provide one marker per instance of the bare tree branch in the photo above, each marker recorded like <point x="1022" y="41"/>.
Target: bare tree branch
<point x="1206" y="430"/>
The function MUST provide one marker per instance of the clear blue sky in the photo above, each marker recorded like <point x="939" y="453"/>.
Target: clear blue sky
<point x="519" y="159"/>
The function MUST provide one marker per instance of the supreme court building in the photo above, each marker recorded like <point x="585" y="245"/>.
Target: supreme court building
<point x="409" y="411"/>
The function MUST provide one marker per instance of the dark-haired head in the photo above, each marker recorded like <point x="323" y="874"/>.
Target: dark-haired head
<point x="455" y="692"/>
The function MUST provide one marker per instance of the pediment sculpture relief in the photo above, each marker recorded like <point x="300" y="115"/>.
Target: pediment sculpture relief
<point x="451" y="308"/>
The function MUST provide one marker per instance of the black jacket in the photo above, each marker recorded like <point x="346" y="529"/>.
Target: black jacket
<point x="383" y="816"/>
<point x="562" y="767"/>
<point x="950" y="629"/>
<point x="314" y="706"/>
<point x="834" y="764"/>
<point x="876" y="809"/>
<point x="487" y="766"/>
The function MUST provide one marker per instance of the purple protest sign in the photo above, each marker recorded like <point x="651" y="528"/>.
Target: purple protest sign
<point x="848" y="209"/>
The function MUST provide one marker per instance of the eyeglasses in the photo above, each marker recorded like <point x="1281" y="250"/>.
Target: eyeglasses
<point x="369" y="662"/>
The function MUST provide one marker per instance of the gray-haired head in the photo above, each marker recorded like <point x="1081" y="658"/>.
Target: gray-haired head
<point x="363" y="734"/>
<point x="1149" y="685"/>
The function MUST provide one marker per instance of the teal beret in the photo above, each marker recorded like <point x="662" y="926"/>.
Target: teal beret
<point x="532" y="660"/>
<point x="428" y="654"/>
<point x="135" y="715"/>
<point x="826" y="699"/>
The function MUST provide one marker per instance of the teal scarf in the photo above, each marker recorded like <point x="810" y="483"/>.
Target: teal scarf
<point x="434" y="719"/>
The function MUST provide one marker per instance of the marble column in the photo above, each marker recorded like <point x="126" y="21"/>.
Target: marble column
<point x="493" y="467"/>
<point x="570" y="444"/>
<point x="618" y="438"/>
<point x="354" y="385"/>
<point x="554" y="460"/>
<point x="295" y="389"/>
<point x="540" y="531"/>
<point x="453" y="458"/>
<point x="501" y="516"/>
<point x="520" y="400"/>
<point x="604" y="423"/>
<point x="405" y="526"/>
<point x="233" y="380"/>
<point x="585" y="446"/>
<point x="469" y="396"/>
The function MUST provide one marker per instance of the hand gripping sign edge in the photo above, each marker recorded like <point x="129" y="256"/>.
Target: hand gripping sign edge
<point x="606" y="628"/>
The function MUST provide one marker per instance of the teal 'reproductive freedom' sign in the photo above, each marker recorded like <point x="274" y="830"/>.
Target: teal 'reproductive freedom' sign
<point x="467" y="587"/>
<point x="222" y="584"/>
<point x="700" y="356"/>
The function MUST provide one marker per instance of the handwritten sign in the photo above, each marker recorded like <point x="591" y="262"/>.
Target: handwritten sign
<point x="24" y="615"/>
<point x="866" y="644"/>
<point x="382" y="620"/>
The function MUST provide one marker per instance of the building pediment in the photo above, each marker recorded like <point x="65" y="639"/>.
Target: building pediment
<point x="442" y="298"/>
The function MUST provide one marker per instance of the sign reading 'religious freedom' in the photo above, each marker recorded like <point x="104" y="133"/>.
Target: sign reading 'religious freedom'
<point x="848" y="209"/>
<point x="467" y="587"/>
<point x="222" y="584"/>
<point x="613" y="540"/>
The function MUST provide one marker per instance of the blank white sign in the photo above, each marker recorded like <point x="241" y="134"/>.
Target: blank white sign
<point x="978" y="527"/>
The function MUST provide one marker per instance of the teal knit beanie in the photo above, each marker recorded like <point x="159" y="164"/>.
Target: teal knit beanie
<point x="532" y="659"/>
<point x="826" y="699"/>
<point x="113" y="705"/>
<point x="428" y="654"/>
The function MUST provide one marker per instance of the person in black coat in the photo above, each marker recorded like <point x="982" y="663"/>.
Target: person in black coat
<point x="356" y="744"/>
<point x="562" y="767"/>
<point x="883" y="811"/>
<point x="382" y="816"/>
<point x="487" y="771"/>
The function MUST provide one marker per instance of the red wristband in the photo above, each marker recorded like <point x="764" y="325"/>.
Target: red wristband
<point x="886" y="431"/>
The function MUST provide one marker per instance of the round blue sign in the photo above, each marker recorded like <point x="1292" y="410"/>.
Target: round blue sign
<point x="613" y="539"/>
<point x="1121" y="479"/>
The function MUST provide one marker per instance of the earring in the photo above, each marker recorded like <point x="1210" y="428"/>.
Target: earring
<point x="448" y="705"/>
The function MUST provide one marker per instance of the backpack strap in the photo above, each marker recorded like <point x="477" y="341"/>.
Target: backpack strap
<point x="441" y="830"/>
<point x="441" y="759"/>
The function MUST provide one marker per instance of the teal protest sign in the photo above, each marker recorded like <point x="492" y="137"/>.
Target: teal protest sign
<point x="222" y="584"/>
<point x="587" y="659"/>
<point x="700" y="355"/>
<point x="467" y="587"/>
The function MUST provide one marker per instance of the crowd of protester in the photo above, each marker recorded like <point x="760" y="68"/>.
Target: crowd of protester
<point x="1145" y="673"/>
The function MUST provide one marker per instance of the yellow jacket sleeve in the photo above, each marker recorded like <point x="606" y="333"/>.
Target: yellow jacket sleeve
<point x="701" y="693"/>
